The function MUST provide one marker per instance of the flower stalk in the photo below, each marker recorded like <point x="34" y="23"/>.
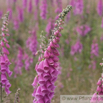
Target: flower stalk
<point x="47" y="66"/>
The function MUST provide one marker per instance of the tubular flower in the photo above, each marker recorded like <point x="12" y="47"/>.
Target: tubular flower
<point x="4" y="60"/>
<point x="47" y="67"/>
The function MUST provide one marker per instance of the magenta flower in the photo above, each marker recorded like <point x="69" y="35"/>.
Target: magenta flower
<point x="24" y="3"/>
<point x="1" y="14"/>
<point x="20" y="14"/>
<point x="47" y="67"/>
<point x="78" y="7"/>
<point x="30" y="6"/>
<point x="94" y="50"/>
<point x="59" y="6"/>
<point x="28" y="62"/>
<point x="49" y="26"/>
<point x="16" y="24"/>
<point x="76" y="48"/>
<point x="4" y="61"/>
<point x="36" y="2"/>
<point x="101" y="38"/>
<point x="83" y="30"/>
<point x="93" y="65"/>
<point x="19" y="62"/>
<point x="97" y="96"/>
<point x="10" y="13"/>
<point x="31" y="42"/>
<point x="102" y="23"/>
<point x="43" y="9"/>
<point x="100" y="7"/>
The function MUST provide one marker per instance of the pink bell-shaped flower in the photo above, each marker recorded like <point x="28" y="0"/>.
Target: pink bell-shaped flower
<point x="94" y="98"/>
<point x="3" y="78"/>
<point x="35" y="81"/>
<point x="38" y="94"/>
<point x="45" y="66"/>
<point x="40" y="68"/>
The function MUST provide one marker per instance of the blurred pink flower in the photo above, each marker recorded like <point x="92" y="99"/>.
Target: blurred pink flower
<point x="76" y="48"/>
<point x="100" y="7"/>
<point x="83" y="30"/>
<point x="94" y="49"/>
<point x="43" y="9"/>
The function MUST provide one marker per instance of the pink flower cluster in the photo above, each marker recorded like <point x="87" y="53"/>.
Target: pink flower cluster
<point x="97" y="97"/>
<point x="47" y="71"/>
<point x="47" y="66"/>
<point x="4" y="61"/>
<point x="31" y="42"/>
<point x="83" y="30"/>
<point x="76" y="48"/>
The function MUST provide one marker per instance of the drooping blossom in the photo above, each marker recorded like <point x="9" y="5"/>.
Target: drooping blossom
<point x="24" y="3"/>
<point x="27" y="61"/>
<point x="31" y="42"/>
<point x="83" y="30"/>
<point x="43" y="8"/>
<point x="20" y="14"/>
<point x="76" y="48"/>
<point x="18" y="62"/>
<point x="47" y="65"/>
<point x="4" y="60"/>
<point x="30" y="6"/>
<point x="49" y="26"/>
<point x="100" y="7"/>
<point x="94" y="49"/>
